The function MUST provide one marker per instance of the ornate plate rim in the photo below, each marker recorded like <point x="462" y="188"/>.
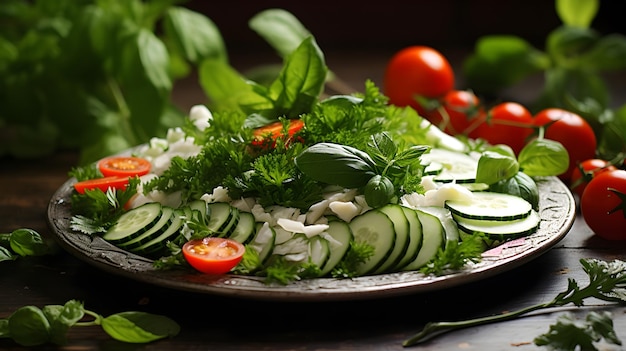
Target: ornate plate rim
<point x="556" y="209"/>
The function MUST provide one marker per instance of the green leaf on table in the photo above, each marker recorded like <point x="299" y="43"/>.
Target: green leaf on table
<point x="27" y="242"/>
<point x="62" y="318"/>
<point x="139" y="327"/>
<point x="28" y="326"/>
<point x="571" y="334"/>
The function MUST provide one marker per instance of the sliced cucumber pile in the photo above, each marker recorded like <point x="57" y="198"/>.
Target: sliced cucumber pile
<point x="402" y="238"/>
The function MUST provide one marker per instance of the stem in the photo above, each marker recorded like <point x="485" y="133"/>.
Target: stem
<point x="124" y="111"/>
<point x="433" y="329"/>
<point x="96" y="321"/>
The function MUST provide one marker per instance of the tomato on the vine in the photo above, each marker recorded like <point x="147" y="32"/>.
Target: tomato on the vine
<point x="417" y="71"/>
<point x="124" y="166"/>
<point x="213" y="255"/>
<point x="457" y="111"/>
<point x="603" y="205"/>
<point x="590" y="168"/>
<point x="571" y="130"/>
<point x="509" y="123"/>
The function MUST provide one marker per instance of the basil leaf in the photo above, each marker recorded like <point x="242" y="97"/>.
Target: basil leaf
<point x="281" y="29"/>
<point x="62" y="318"/>
<point x="27" y="242"/>
<point x="522" y="185"/>
<point x="336" y="164"/>
<point x="577" y="13"/>
<point x="379" y="191"/>
<point x="543" y="157"/>
<point x="28" y="326"/>
<point x="139" y="327"/>
<point x="194" y="35"/>
<point x="494" y="167"/>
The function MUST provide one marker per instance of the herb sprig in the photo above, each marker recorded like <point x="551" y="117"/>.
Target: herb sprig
<point x="607" y="282"/>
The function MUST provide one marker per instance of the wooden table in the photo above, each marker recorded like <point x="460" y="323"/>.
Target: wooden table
<point x="223" y="323"/>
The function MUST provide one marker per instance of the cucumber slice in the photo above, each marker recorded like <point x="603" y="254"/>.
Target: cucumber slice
<point x="433" y="240"/>
<point x="319" y="251"/>
<point x="202" y="209"/>
<point x="133" y="223"/>
<point x="222" y="218"/>
<point x="501" y="230"/>
<point x="244" y="230"/>
<point x="376" y="229"/>
<point x="157" y="246"/>
<point x="487" y="205"/>
<point x="456" y="166"/>
<point x="415" y="238"/>
<point x="401" y="244"/>
<point x="339" y="243"/>
<point x="153" y="232"/>
<point x="448" y="223"/>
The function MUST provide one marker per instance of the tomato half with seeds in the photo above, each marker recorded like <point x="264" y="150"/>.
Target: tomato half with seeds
<point x="603" y="205"/>
<point x="417" y="71"/>
<point x="507" y="123"/>
<point x="213" y="255"/>
<point x="124" y="166"/>
<point x="585" y="171"/>
<point x="266" y="136"/>
<point x="571" y="130"/>
<point x="104" y="183"/>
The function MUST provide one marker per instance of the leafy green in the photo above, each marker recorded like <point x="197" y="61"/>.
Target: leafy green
<point x="34" y="326"/>
<point x="95" y="76"/>
<point x="22" y="242"/>
<point x="607" y="282"/>
<point x="568" y="333"/>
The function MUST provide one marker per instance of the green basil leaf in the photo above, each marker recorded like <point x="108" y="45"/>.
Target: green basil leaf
<point x="382" y="148"/>
<point x="543" y="157"/>
<point x="576" y="12"/>
<point x="281" y="29"/>
<point x="62" y="318"/>
<point x="27" y="242"/>
<point x="301" y="81"/>
<point x="194" y="35"/>
<point x="494" y="167"/>
<point x="336" y="164"/>
<point x="521" y="185"/>
<point x="6" y="254"/>
<point x="28" y="326"/>
<point x="139" y="327"/>
<point x="379" y="191"/>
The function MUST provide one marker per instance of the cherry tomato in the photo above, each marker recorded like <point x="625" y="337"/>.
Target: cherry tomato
<point x="103" y="184"/>
<point x="571" y="130"/>
<point x="590" y="168"/>
<point x="266" y="136"/>
<point x="458" y="110"/>
<point x="213" y="255"/>
<point x="603" y="205"/>
<point x="507" y="123"/>
<point x="124" y="166"/>
<point x="417" y="71"/>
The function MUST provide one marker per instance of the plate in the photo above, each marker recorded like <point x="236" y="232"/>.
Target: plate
<point x="556" y="209"/>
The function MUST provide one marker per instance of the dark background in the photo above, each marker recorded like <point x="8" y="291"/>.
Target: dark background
<point x="393" y="24"/>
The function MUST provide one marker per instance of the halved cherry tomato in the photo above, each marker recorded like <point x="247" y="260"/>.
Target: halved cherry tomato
<point x="417" y="71"/>
<point x="603" y="205"/>
<point x="267" y="135"/>
<point x="124" y="166"/>
<point x="585" y="171"/>
<point x="571" y="130"/>
<point x="103" y="184"/>
<point x="213" y="255"/>
<point x="507" y="123"/>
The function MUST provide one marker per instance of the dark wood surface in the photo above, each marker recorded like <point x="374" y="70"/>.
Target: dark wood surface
<point x="223" y="323"/>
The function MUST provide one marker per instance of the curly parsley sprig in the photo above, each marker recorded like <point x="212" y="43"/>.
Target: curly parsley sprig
<point x="607" y="282"/>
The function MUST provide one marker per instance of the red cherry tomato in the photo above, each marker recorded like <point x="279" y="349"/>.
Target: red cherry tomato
<point x="266" y="136"/>
<point x="103" y="184"/>
<point x="571" y="130"/>
<point x="417" y="71"/>
<point x="590" y="168"/>
<point x="603" y="205"/>
<point x="213" y="255"/>
<point x="458" y="110"/>
<point x="124" y="166"/>
<point x="507" y="123"/>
